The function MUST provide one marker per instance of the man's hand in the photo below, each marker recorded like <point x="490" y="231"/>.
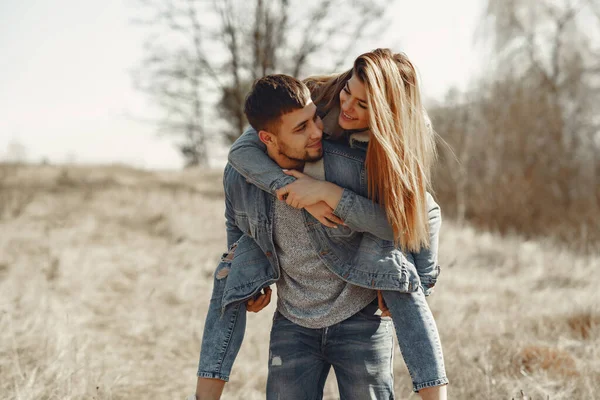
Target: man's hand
<point x="255" y="305"/>
<point x="385" y="312"/>
<point x="322" y="212"/>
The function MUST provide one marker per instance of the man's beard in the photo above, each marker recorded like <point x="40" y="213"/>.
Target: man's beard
<point x="298" y="156"/>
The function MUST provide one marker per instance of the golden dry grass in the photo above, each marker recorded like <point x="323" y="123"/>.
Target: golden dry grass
<point x="105" y="275"/>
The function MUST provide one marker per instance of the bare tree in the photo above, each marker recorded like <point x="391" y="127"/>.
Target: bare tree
<point x="207" y="53"/>
<point x="525" y="139"/>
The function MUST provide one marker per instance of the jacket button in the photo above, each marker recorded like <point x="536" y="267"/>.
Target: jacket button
<point x="268" y="254"/>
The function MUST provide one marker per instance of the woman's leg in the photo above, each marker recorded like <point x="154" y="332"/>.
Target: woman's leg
<point x="419" y="342"/>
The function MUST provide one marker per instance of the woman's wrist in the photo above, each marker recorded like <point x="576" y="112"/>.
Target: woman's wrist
<point x="332" y="194"/>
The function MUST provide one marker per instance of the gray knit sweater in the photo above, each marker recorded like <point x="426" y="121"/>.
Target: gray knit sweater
<point x="308" y="293"/>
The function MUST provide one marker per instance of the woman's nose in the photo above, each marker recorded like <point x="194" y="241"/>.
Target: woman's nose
<point x="347" y="105"/>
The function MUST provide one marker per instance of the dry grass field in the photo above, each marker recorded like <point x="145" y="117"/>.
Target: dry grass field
<point x="106" y="272"/>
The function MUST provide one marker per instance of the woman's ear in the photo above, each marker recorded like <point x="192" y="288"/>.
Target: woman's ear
<point x="267" y="138"/>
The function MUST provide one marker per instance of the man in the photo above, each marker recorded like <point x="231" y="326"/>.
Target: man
<point x="326" y="316"/>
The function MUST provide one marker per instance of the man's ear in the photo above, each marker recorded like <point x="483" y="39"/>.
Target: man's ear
<point x="267" y="137"/>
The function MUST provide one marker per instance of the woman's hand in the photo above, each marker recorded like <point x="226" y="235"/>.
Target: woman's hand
<point x="306" y="191"/>
<point x="322" y="212"/>
<point x="385" y="312"/>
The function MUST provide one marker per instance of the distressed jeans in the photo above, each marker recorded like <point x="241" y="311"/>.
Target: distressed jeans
<point x="360" y="350"/>
<point x="416" y="331"/>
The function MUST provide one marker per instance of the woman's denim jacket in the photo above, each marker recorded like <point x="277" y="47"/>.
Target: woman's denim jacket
<point x="362" y="252"/>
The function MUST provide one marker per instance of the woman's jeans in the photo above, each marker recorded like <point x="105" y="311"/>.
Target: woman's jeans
<point x="418" y="338"/>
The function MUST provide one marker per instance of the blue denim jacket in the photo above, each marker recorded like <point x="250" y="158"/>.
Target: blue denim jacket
<point x="353" y="252"/>
<point x="247" y="156"/>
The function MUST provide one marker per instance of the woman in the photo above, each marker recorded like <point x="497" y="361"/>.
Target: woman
<point x="377" y="106"/>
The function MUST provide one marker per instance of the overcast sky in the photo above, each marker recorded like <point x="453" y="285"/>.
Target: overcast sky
<point x="66" y="92"/>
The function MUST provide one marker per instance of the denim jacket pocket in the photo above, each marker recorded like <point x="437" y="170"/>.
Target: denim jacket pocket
<point x="340" y="232"/>
<point x="250" y="271"/>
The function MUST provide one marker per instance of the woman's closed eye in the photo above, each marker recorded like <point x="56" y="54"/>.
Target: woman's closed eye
<point x="360" y="103"/>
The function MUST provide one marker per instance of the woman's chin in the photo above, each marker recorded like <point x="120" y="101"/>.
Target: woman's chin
<point x="344" y="124"/>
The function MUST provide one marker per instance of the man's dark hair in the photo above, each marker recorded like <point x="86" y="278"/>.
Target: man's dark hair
<point x="271" y="97"/>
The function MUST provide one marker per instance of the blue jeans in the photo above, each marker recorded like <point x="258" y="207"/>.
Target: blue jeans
<point x="359" y="349"/>
<point x="418" y="338"/>
<point x="417" y="334"/>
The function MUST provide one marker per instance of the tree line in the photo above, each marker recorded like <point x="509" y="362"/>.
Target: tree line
<point x="518" y="150"/>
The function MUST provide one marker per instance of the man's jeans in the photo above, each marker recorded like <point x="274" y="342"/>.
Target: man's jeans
<point x="360" y="349"/>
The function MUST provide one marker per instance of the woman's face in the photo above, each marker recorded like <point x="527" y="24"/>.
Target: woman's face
<point x="354" y="114"/>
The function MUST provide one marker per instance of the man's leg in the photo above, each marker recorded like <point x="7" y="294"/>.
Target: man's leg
<point x="297" y="369"/>
<point x="419" y="342"/>
<point x="361" y="351"/>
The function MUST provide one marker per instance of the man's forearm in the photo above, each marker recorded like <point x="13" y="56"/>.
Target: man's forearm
<point x="209" y="388"/>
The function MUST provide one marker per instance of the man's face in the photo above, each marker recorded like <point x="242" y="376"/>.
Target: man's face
<point x="299" y="135"/>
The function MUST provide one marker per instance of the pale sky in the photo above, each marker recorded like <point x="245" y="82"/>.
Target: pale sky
<point x="66" y="92"/>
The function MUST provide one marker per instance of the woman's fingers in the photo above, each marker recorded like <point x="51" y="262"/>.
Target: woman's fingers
<point x="327" y="223"/>
<point x="282" y="193"/>
<point x="293" y="201"/>
<point x="294" y="173"/>
<point x="385" y="312"/>
<point x="333" y="218"/>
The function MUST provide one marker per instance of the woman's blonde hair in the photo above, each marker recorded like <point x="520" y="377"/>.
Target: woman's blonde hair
<point x="402" y="146"/>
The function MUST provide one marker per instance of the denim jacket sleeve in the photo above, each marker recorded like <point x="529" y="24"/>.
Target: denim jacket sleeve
<point x="426" y="260"/>
<point x="233" y="232"/>
<point x="248" y="157"/>
<point x="363" y="215"/>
